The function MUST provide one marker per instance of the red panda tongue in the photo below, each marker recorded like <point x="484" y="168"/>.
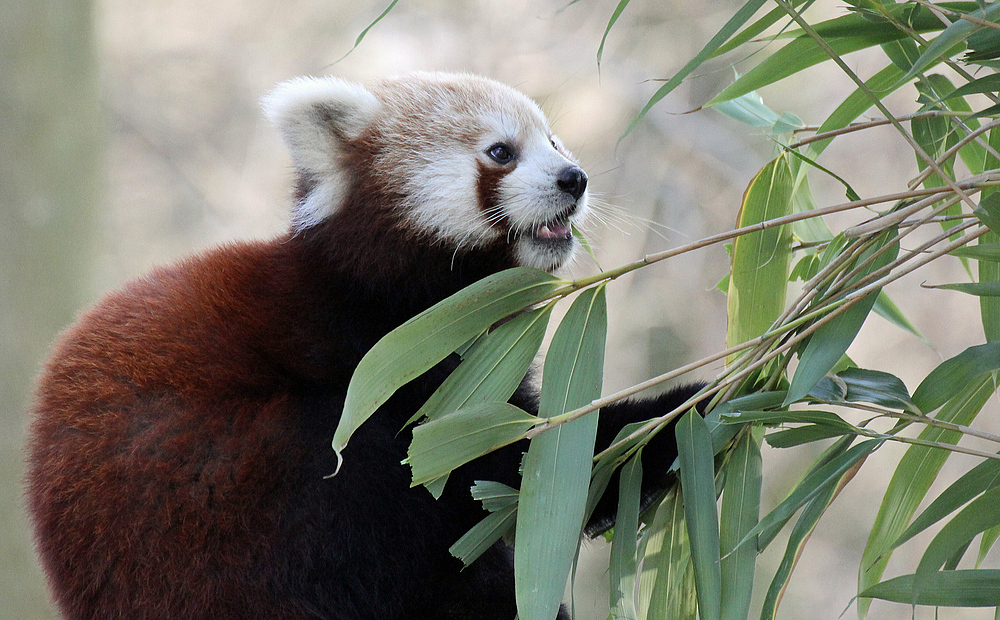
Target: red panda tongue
<point x="554" y="230"/>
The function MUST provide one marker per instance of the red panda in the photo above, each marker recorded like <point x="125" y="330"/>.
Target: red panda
<point x="179" y="444"/>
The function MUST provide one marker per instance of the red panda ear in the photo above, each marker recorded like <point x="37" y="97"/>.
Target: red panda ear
<point x="316" y="117"/>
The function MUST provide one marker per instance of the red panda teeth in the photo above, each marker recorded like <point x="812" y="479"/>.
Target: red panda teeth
<point x="554" y="230"/>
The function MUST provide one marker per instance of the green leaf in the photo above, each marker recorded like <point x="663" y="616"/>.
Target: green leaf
<point x="887" y="309"/>
<point x="829" y="343"/>
<point x="697" y="475"/>
<point x="792" y="437"/>
<point x="855" y="105"/>
<point x="734" y="23"/>
<point x="761" y="260"/>
<point x="952" y="36"/>
<point x="493" y="495"/>
<point x="806" y="416"/>
<point x="456" y="438"/>
<point x="868" y="22"/>
<point x="611" y="22"/>
<point x="874" y="386"/>
<point x="740" y="511"/>
<point x="914" y="474"/>
<point x="493" y="367"/>
<point x="989" y="209"/>
<point x="756" y="28"/>
<point x="986" y="543"/>
<point x="980" y="478"/>
<point x="980" y="289"/>
<point x="666" y="585"/>
<point x="484" y="534"/>
<point x="800" y="533"/>
<point x="415" y="346"/>
<point x="953" y="375"/>
<point x="986" y="84"/>
<point x="981" y="514"/>
<point x="954" y="588"/>
<point x="796" y="55"/>
<point x="984" y="251"/>
<point x="605" y="468"/>
<point x="558" y="465"/>
<point x="624" y="564"/>
<point x="829" y="473"/>
<point x="751" y="110"/>
<point x="364" y="32"/>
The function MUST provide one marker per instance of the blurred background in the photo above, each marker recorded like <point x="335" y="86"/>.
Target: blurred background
<point x="130" y="135"/>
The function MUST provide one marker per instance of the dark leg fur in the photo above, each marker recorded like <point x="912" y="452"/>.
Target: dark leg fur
<point x="657" y="456"/>
<point x="491" y="578"/>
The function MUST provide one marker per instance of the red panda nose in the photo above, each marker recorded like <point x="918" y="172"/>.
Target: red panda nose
<point x="573" y="181"/>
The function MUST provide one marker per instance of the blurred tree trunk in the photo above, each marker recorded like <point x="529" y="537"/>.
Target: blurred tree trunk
<point x="50" y="153"/>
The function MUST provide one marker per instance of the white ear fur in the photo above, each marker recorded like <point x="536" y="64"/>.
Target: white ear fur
<point x="316" y="116"/>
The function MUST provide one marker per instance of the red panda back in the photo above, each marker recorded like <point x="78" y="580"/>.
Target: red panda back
<point x="160" y="439"/>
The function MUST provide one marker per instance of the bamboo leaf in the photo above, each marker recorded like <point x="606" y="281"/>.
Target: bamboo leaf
<point x="454" y="439"/>
<point x="364" y="32"/>
<point x="989" y="204"/>
<point x="611" y="22"/>
<point x="979" y="289"/>
<point x="979" y="479"/>
<point x="984" y="251"/>
<point x="953" y="35"/>
<point x="913" y="477"/>
<point x="812" y="485"/>
<point x="986" y="543"/>
<point x="955" y="588"/>
<point x="756" y="28"/>
<point x="697" y="475"/>
<point x="740" y="512"/>
<point x="989" y="211"/>
<point x="887" y="309"/>
<point x="666" y="585"/>
<point x="493" y="367"/>
<point x="981" y="514"/>
<point x="952" y="376"/>
<point x="483" y="535"/>
<point x="828" y="344"/>
<point x="735" y="22"/>
<point x="493" y="495"/>
<point x="792" y="437"/>
<point x="557" y="468"/>
<point x="874" y="386"/>
<point x="878" y="18"/>
<point x="624" y="563"/>
<point x="805" y="416"/>
<point x="800" y="533"/>
<point x="761" y="260"/>
<point x="415" y="346"/>
<point x="798" y="54"/>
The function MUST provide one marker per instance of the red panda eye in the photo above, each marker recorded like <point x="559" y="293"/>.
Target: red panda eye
<point x="501" y="153"/>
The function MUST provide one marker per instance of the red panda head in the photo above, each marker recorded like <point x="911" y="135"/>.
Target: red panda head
<point x="460" y="160"/>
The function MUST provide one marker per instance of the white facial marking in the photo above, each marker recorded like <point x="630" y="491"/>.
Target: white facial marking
<point x="432" y="133"/>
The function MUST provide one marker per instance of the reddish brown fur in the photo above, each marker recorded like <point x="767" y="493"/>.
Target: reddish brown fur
<point x="167" y="446"/>
<point x="181" y="432"/>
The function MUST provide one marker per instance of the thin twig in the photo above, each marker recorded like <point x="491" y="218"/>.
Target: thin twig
<point x="869" y="124"/>
<point x="948" y="154"/>
<point x="965" y="16"/>
<point x="919" y="419"/>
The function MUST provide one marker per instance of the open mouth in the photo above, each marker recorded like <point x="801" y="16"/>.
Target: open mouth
<point x="558" y="230"/>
